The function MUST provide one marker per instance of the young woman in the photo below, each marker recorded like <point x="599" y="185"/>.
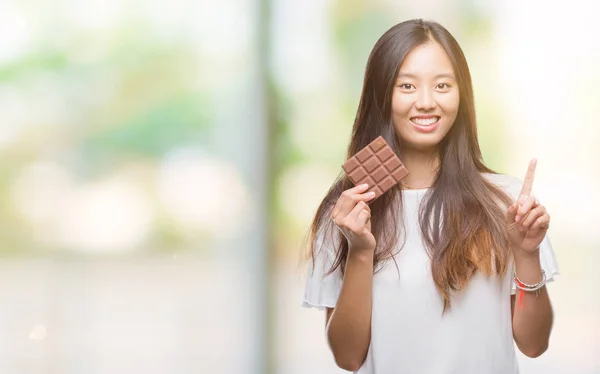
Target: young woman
<point x="443" y="272"/>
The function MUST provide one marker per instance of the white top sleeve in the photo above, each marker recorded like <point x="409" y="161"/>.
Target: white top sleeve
<point x="322" y="290"/>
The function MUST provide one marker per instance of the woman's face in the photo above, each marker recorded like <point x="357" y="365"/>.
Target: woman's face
<point x="425" y="97"/>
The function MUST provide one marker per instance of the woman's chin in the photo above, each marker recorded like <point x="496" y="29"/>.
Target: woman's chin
<point x="422" y="143"/>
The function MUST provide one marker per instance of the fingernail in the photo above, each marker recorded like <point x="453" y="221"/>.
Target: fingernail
<point x="364" y="185"/>
<point x="517" y="218"/>
<point x="371" y="194"/>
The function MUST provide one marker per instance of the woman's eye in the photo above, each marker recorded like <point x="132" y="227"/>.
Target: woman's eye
<point x="406" y="86"/>
<point x="443" y="86"/>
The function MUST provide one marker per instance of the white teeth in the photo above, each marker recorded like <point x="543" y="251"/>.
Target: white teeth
<point x="425" y="121"/>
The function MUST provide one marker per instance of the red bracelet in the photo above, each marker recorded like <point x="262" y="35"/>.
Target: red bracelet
<point x="529" y="287"/>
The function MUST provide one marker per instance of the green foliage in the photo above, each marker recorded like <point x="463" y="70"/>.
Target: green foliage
<point x="155" y="130"/>
<point x="43" y="60"/>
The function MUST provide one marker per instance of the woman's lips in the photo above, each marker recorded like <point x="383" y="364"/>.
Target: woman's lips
<point x="425" y="123"/>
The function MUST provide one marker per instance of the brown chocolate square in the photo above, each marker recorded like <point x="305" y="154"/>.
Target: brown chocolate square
<point x="377" y="165"/>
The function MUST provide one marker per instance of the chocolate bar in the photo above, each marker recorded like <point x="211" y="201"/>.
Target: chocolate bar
<point x="377" y="165"/>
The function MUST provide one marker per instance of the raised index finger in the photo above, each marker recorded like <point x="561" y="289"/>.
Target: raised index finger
<point x="528" y="182"/>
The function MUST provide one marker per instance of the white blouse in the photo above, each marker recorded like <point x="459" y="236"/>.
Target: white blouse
<point x="409" y="334"/>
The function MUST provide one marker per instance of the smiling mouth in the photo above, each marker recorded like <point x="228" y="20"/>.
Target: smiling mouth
<point x="425" y="121"/>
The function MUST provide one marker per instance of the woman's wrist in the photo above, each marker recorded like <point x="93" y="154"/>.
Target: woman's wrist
<point x="526" y="254"/>
<point x="362" y="254"/>
<point x="528" y="266"/>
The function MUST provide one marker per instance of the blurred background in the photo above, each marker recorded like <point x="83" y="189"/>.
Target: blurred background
<point x="160" y="162"/>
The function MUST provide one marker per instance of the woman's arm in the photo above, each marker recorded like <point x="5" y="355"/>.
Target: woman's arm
<point x="527" y="223"/>
<point x="532" y="321"/>
<point x="349" y="324"/>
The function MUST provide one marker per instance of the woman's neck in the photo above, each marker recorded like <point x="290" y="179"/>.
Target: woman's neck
<point x="422" y="167"/>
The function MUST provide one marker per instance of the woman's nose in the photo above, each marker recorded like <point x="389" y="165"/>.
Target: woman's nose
<point x="425" y="100"/>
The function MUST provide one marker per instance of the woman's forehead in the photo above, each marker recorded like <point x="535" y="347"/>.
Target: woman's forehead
<point x="427" y="60"/>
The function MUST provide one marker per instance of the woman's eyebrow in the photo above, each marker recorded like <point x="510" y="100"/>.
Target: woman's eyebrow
<point x="413" y="76"/>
